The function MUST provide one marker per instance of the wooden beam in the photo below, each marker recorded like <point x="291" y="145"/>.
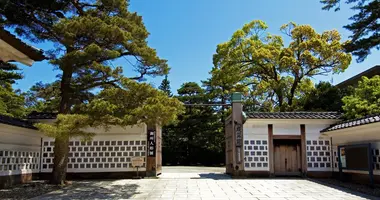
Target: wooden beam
<point x="271" y="149"/>
<point x="303" y="149"/>
<point x="287" y="137"/>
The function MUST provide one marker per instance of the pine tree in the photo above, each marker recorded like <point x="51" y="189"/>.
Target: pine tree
<point x="165" y="86"/>
<point x="11" y="101"/>
<point x="365" y="26"/>
<point x="87" y="36"/>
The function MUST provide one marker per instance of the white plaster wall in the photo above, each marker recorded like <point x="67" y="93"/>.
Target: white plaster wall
<point x="286" y="129"/>
<point x="110" y="151"/>
<point x="251" y="130"/>
<point x="313" y="131"/>
<point x="318" y="148"/>
<point x="256" y="154"/>
<point x="20" y="150"/>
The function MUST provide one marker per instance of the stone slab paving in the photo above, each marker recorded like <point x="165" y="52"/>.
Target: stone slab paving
<point x="202" y="186"/>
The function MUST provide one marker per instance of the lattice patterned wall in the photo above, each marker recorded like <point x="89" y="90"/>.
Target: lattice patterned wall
<point x="318" y="155"/>
<point x="18" y="161"/>
<point x="256" y="154"/>
<point x="98" y="155"/>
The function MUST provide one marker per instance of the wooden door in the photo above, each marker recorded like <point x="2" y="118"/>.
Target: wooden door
<point x="287" y="159"/>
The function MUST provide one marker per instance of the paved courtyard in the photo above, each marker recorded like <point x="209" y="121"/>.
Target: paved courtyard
<point x="201" y="183"/>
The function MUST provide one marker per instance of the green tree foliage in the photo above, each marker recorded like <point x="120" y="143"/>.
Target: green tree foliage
<point x="364" y="27"/>
<point x="324" y="97"/>
<point x="165" y="86"/>
<point x="9" y="73"/>
<point x="11" y="101"/>
<point x="197" y="137"/>
<point x="272" y="72"/>
<point x="87" y="36"/>
<point x="43" y="97"/>
<point x="365" y="99"/>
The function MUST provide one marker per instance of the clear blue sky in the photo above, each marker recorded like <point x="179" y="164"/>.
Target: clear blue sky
<point x="186" y="34"/>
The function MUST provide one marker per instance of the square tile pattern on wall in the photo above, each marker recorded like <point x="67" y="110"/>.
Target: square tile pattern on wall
<point x="97" y="155"/>
<point x="256" y="154"/>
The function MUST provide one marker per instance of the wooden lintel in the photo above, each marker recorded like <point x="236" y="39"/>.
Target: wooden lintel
<point x="286" y="137"/>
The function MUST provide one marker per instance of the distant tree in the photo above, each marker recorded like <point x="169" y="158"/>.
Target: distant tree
<point x="43" y="97"/>
<point x="365" y="99"/>
<point x="365" y="26"/>
<point x="165" y="86"/>
<point x="197" y="137"/>
<point x="87" y="36"/>
<point x="9" y="73"/>
<point x="273" y="71"/>
<point x="325" y="97"/>
<point x="11" y="101"/>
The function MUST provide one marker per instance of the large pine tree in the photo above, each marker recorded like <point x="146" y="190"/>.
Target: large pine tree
<point x="87" y="36"/>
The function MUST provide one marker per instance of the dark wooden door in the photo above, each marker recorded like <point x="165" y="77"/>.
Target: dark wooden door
<point x="287" y="159"/>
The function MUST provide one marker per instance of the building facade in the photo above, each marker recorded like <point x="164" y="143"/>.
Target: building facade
<point x="274" y="144"/>
<point x="26" y="154"/>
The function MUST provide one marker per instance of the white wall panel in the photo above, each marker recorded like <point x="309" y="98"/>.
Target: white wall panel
<point x="286" y="129"/>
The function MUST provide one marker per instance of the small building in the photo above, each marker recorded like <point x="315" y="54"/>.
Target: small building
<point x="353" y="81"/>
<point x="293" y="143"/>
<point x="359" y="131"/>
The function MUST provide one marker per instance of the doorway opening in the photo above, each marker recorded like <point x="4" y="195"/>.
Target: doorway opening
<point x="287" y="157"/>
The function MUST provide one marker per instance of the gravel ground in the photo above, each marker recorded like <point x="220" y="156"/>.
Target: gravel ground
<point x="27" y="191"/>
<point x="365" y="189"/>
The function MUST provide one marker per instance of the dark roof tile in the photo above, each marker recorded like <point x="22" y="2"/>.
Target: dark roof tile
<point x="42" y="115"/>
<point x="293" y="115"/>
<point x="16" y="122"/>
<point x="354" y="122"/>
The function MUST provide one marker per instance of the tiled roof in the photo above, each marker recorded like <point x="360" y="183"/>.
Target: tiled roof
<point x="293" y="115"/>
<point x="16" y="122"/>
<point x="42" y="115"/>
<point x="355" y="122"/>
<point x="30" y="51"/>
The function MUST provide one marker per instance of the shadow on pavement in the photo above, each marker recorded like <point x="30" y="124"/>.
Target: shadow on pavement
<point x="214" y="176"/>
<point x="350" y="191"/>
<point x="93" y="190"/>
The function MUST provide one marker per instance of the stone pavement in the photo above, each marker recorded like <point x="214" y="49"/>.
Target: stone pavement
<point x="202" y="185"/>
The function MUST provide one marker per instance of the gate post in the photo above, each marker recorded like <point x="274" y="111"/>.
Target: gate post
<point x="237" y="139"/>
<point x="153" y="152"/>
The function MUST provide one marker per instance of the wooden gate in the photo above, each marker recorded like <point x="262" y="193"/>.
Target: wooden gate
<point x="287" y="159"/>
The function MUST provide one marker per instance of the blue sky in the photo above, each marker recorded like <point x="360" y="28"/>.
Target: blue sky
<point x="186" y="33"/>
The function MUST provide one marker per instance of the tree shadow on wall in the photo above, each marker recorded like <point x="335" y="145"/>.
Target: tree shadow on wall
<point x="100" y="189"/>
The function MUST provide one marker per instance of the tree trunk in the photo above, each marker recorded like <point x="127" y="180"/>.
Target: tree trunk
<point x="61" y="154"/>
<point x="280" y="101"/>
<point x="61" y="147"/>
<point x="292" y="91"/>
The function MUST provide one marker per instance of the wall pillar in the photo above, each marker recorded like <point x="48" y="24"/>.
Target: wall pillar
<point x="237" y="136"/>
<point x="303" y="149"/>
<point x="271" y="149"/>
<point x="153" y="152"/>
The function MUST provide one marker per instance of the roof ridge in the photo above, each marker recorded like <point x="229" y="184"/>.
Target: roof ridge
<point x="340" y="125"/>
<point x="16" y="121"/>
